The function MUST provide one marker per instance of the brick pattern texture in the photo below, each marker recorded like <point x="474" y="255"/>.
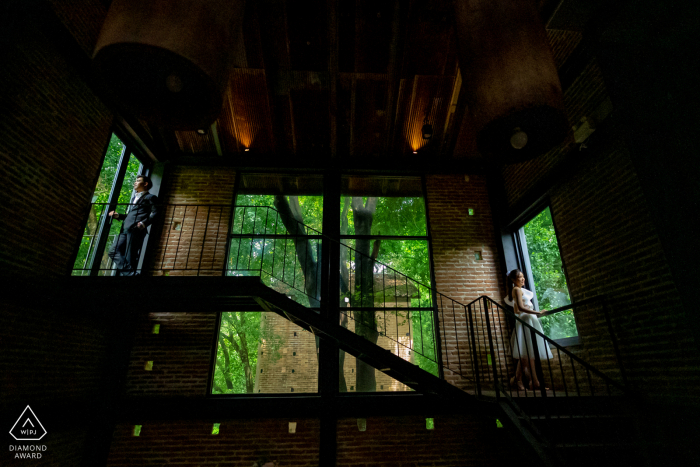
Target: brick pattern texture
<point x="180" y="354"/>
<point x="458" y="239"/>
<point x="195" y="223"/>
<point x="240" y="443"/>
<point x="584" y="95"/>
<point x="609" y="247"/>
<point x="405" y="442"/>
<point x="612" y="249"/>
<point x="53" y="132"/>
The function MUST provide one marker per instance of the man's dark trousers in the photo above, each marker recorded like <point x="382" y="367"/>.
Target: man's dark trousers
<point x="126" y="249"/>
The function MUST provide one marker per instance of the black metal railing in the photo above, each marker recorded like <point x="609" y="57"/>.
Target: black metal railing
<point x="469" y="345"/>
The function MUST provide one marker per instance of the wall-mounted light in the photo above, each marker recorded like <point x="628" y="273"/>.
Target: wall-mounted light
<point x="415" y="152"/>
<point x="202" y="131"/>
<point x="427" y="131"/>
<point x="247" y="149"/>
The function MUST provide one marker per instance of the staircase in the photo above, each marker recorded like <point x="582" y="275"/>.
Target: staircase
<point x="584" y="416"/>
<point x="460" y="352"/>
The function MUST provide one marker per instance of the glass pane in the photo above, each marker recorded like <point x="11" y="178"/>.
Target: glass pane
<point x="88" y="242"/>
<point x="132" y="171"/>
<point x="264" y="214"/>
<point x="549" y="280"/>
<point x="108" y="171"/>
<point x="388" y="308"/>
<point x="264" y="353"/>
<point x="289" y="266"/>
<point x="388" y="216"/>
<point x="100" y="196"/>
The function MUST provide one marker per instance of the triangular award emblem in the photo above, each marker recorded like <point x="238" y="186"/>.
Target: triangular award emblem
<point x="27" y="427"/>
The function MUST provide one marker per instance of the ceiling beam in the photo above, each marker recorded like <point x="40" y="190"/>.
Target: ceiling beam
<point x="399" y="20"/>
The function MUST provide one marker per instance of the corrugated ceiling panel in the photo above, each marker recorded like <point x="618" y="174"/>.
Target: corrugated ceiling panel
<point x="562" y="43"/>
<point x="192" y="142"/>
<point x="425" y="99"/>
<point x="245" y="121"/>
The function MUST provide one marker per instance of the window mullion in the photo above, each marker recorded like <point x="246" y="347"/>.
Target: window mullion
<point x="106" y="220"/>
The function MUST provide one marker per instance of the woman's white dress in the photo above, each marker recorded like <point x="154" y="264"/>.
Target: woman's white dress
<point x="521" y="340"/>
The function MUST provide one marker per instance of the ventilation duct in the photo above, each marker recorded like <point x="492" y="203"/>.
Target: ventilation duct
<point x="511" y="82"/>
<point x="167" y="61"/>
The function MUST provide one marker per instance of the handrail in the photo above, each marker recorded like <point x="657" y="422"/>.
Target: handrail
<point x="570" y="306"/>
<point x="476" y="342"/>
<point x="552" y="342"/>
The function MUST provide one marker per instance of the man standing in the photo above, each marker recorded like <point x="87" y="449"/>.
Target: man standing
<point x="126" y="248"/>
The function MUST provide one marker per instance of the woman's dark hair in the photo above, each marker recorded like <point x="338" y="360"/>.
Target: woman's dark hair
<point x="511" y="281"/>
<point x="146" y="179"/>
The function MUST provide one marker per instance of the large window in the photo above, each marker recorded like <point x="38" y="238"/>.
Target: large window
<point x="114" y="190"/>
<point x="544" y="271"/>
<point x="383" y="294"/>
<point x="385" y="275"/>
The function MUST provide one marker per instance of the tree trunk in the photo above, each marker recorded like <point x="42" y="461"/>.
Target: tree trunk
<point x="363" y="293"/>
<point x="290" y="213"/>
<point x="344" y="289"/>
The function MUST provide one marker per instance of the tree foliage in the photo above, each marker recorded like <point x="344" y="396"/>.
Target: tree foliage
<point x="291" y="265"/>
<point x="547" y="272"/>
<point x="240" y="335"/>
<point x="101" y="195"/>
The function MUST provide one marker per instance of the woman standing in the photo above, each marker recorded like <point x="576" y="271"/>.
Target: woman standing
<point x="521" y="342"/>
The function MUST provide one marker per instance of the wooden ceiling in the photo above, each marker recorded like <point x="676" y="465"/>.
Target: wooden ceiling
<point x="342" y="79"/>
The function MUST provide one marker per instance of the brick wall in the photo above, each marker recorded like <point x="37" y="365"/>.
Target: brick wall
<point x="581" y="99"/>
<point x="239" y="443"/>
<point x="53" y="132"/>
<point x="609" y="246"/>
<point x="612" y="248"/>
<point x="457" y="238"/>
<point x="180" y="354"/>
<point x="405" y="441"/>
<point x="193" y="235"/>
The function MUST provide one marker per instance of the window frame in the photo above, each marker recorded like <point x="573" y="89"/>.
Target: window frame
<point x="93" y="260"/>
<point x="521" y="257"/>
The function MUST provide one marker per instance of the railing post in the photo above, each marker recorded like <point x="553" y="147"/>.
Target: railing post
<point x="494" y="366"/>
<point x="616" y="349"/>
<point x="538" y="362"/>
<point x="475" y="355"/>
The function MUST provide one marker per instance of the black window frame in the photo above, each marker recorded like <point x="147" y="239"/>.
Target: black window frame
<point x="517" y="255"/>
<point x="92" y="262"/>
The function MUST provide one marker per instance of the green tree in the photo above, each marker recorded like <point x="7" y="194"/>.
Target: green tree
<point x="240" y="337"/>
<point x="547" y="272"/>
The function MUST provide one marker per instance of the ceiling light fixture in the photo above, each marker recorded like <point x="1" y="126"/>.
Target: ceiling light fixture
<point x="202" y="131"/>
<point x="427" y="130"/>
<point x="518" y="139"/>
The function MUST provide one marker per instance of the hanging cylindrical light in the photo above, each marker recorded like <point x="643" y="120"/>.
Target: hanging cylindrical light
<point x="511" y="82"/>
<point x="168" y="60"/>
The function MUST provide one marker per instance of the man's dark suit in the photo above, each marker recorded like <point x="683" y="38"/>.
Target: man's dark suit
<point x="126" y="248"/>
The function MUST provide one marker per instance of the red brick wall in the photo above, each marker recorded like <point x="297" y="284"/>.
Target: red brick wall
<point x="180" y="352"/>
<point x="193" y="237"/>
<point x="456" y="238"/>
<point x="239" y="443"/>
<point x="581" y="99"/>
<point x="53" y="132"/>
<point x="455" y="441"/>
<point x="609" y="246"/>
